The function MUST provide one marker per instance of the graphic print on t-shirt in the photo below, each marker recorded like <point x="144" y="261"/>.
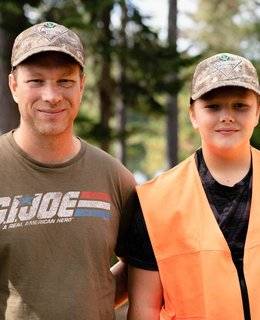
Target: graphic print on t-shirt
<point x="52" y="207"/>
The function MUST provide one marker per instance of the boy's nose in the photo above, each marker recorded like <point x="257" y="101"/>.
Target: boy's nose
<point x="227" y="116"/>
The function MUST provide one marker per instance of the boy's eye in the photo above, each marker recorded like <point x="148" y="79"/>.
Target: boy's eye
<point x="212" y="106"/>
<point x="239" y="106"/>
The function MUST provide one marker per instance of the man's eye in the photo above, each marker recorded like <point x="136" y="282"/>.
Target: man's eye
<point x="66" y="83"/>
<point x="35" y="81"/>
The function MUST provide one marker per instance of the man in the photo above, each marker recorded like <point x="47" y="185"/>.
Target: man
<point x="203" y="216"/>
<point x="61" y="199"/>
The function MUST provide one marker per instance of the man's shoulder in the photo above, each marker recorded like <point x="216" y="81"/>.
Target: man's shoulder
<point x="103" y="159"/>
<point x="96" y="151"/>
<point x="5" y="140"/>
<point x="5" y="136"/>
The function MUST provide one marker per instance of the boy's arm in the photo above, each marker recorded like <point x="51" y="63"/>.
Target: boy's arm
<point x="119" y="271"/>
<point x="145" y="294"/>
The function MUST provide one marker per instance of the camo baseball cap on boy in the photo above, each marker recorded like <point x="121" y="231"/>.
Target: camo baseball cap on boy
<point x="223" y="69"/>
<point x="47" y="36"/>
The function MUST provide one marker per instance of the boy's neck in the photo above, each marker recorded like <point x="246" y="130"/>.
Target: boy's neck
<point x="228" y="168"/>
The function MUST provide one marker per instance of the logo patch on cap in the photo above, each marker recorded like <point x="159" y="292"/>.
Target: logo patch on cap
<point x="224" y="57"/>
<point x="49" y="25"/>
<point x="227" y="68"/>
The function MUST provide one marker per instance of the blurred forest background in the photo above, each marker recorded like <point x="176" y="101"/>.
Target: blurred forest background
<point x="136" y="99"/>
<point x="137" y="92"/>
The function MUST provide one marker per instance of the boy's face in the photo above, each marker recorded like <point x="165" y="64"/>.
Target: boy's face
<point x="226" y="118"/>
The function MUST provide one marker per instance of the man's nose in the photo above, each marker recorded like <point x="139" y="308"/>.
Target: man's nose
<point x="51" y="93"/>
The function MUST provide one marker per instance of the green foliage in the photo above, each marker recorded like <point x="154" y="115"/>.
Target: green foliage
<point x="223" y="26"/>
<point x="255" y="141"/>
<point x="128" y="64"/>
<point x="216" y="27"/>
<point x="13" y="10"/>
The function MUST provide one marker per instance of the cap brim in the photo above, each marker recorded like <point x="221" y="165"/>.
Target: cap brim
<point x="46" y="49"/>
<point x="230" y="83"/>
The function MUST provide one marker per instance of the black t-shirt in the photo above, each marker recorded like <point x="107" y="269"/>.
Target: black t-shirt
<point x="139" y="252"/>
<point x="230" y="205"/>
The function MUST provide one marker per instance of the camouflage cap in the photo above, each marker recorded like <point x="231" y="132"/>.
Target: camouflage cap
<point x="223" y="69"/>
<point x="47" y="36"/>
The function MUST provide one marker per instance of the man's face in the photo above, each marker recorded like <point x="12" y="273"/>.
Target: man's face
<point x="48" y="90"/>
<point x="226" y="118"/>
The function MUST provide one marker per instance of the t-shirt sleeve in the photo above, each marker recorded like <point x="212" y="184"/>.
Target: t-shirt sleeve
<point x="139" y="251"/>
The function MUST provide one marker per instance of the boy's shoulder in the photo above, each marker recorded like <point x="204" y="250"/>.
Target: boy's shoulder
<point x="175" y="173"/>
<point x="255" y="151"/>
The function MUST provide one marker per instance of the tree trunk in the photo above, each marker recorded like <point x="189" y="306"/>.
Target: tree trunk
<point x="121" y="105"/>
<point x="172" y="101"/>
<point x="9" y="118"/>
<point x="106" y="86"/>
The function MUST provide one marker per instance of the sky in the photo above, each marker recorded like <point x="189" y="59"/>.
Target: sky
<point x="158" y="11"/>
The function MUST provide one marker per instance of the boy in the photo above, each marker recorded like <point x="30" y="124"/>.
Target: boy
<point x="203" y="216"/>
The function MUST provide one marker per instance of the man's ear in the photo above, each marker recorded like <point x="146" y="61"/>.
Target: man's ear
<point x="82" y="85"/>
<point x="13" y="86"/>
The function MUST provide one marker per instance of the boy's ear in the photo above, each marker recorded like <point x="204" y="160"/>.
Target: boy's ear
<point x="258" y="114"/>
<point x="193" y="118"/>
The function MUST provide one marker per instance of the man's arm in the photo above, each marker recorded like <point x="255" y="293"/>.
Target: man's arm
<point x="145" y="294"/>
<point x="119" y="271"/>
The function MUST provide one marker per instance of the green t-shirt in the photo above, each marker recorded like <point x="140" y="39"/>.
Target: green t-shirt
<point x="58" y="231"/>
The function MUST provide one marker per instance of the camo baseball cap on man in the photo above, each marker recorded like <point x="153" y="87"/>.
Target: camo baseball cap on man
<point x="223" y="69"/>
<point x="47" y="36"/>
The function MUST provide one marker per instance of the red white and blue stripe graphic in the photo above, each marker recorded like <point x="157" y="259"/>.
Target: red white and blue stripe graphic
<point x="93" y="204"/>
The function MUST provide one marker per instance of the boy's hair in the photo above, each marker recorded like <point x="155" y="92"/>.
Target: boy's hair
<point x="221" y="70"/>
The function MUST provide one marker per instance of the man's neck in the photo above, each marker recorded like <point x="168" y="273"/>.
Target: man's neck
<point x="48" y="149"/>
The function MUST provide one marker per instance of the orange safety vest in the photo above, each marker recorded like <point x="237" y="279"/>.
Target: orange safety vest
<point x="198" y="275"/>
